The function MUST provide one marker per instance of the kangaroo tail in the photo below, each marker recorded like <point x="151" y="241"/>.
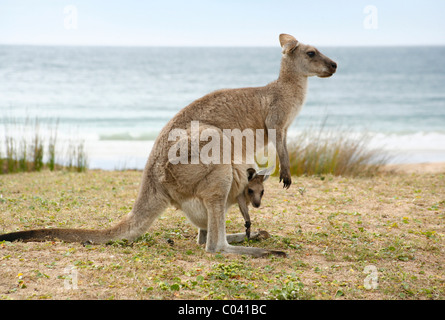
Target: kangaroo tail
<point x="131" y="227"/>
<point x="147" y="208"/>
<point x="67" y="235"/>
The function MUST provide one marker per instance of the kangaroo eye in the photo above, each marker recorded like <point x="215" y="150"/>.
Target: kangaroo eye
<point x="250" y="191"/>
<point x="262" y="192"/>
<point x="311" y="54"/>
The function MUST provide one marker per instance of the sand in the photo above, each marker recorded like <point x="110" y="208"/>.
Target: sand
<point x="436" y="167"/>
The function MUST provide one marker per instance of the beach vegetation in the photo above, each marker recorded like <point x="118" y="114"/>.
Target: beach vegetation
<point x="25" y="147"/>
<point x="336" y="151"/>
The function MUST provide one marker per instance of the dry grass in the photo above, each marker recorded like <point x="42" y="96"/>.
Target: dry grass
<point x="334" y="151"/>
<point x="332" y="229"/>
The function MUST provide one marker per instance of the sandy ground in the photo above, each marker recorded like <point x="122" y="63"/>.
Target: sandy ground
<point x="380" y="237"/>
<point x="436" y="167"/>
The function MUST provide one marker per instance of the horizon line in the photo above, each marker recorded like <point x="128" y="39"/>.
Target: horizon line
<point x="216" y="46"/>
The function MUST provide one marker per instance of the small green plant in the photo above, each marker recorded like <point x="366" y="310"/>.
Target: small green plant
<point x="76" y="157"/>
<point x="25" y="149"/>
<point x="23" y="163"/>
<point x="227" y="271"/>
<point x="290" y="290"/>
<point x="11" y="159"/>
<point x="52" y="147"/>
<point x="37" y="148"/>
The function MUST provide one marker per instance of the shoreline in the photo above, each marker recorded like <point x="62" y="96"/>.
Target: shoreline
<point x="406" y="168"/>
<point x="422" y="167"/>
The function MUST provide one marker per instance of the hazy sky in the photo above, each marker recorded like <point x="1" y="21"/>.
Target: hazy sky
<point x="221" y="23"/>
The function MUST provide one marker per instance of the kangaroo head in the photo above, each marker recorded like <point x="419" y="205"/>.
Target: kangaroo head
<point x="299" y="58"/>
<point x="255" y="189"/>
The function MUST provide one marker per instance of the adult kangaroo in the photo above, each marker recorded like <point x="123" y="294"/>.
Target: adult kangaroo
<point x="204" y="191"/>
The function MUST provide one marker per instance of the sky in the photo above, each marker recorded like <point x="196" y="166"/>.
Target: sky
<point x="221" y="23"/>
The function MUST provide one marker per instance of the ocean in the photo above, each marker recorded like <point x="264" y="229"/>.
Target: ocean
<point x="117" y="99"/>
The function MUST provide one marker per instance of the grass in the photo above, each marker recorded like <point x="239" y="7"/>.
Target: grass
<point x="336" y="152"/>
<point x="27" y="149"/>
<point x="341" y="233"/>
<point x="351" y="231"/>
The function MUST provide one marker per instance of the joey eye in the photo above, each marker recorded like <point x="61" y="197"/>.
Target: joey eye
<point x="311" y="54"/>
<point x="250" y="191"/>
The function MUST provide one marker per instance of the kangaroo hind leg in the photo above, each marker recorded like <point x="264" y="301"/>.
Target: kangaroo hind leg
<point x="217" y="239"/>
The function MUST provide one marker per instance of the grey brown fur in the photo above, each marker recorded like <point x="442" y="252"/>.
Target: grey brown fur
<point x="213" y="187"/>
<point x="253" y="193"/>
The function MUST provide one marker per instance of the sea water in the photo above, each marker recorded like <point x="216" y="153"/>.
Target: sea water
<point x="117" y="99"/>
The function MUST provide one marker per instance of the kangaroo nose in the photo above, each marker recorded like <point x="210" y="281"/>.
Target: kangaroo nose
<point x="334" y="65"/>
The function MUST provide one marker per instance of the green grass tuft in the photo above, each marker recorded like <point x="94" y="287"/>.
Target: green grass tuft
<point x="31" y="151"/>
<point x="335" y="152"/>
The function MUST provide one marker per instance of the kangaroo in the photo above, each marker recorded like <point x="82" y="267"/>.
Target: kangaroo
<point x="253" y="193"/>
<point x="211" y="187"/>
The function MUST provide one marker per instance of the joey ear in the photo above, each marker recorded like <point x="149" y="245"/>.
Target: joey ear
<point x="251" y="173"/>
<point x="266" y="173"/>
<point x="288" y="43"/>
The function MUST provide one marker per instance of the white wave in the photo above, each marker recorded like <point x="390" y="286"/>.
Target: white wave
<point x="129" y="136"/>
<point x="425" y="141"/>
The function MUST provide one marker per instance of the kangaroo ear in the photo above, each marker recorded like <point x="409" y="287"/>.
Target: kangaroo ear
<point x="251" y="173"/>
<point x="266" y="173"/>
<point x="288" y="43"/>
